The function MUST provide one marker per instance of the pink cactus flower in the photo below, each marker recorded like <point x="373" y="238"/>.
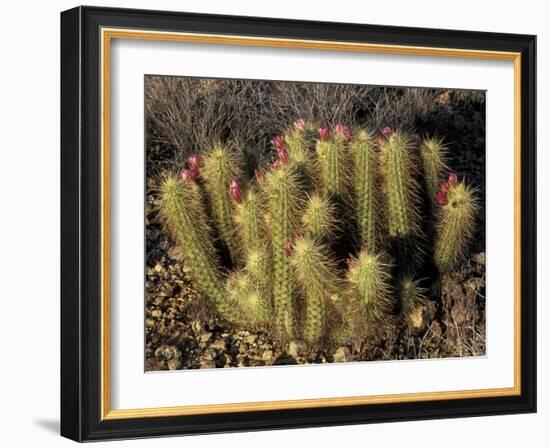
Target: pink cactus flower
<point x="300" y="124"/>
<point x="441" y="198"/>
<point x="194" y="162"/>
<point x="345" y="131"/>
<point x="444" y="187"/>
<point x="386" y="130"/>
<point x="324" y="132"/>
<point x="453" y="180"/>
<point x="188" y="174"/>
<point x="350" y="260"/>
<point x="379" y="139"/>
<point x="288" y="248"/>
<point x="235" y="190"/>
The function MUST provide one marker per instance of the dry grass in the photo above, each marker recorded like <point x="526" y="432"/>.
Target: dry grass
<point x="188" y="114"/>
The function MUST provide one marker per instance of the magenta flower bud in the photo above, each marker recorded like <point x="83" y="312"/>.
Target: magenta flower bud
<point x="453" y="180"/>
<point x="235" y="191"/>
<point x="386" y="131"/>
<point x="194" y="162"/>
<point x="259" y="176"/>
<point x="276" y="165"/>
<point x="188" y="174"/>
<point x="444" y="187"/>
<point x="278" y="142"/>
<point x="300" y="124"/>
<point x="345" y="131"/>
<point x="350" y="261"/>
<point x="441" y="198"/>
<point x="288" y="248"/>
<point x="379" y="139"/>
<point x="324" y="132"/>
<point x="283" y="154"/>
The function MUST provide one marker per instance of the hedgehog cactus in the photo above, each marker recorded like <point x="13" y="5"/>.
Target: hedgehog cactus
<point x="316" y="275"/>
<point x="221" y="168"/>
<point x="455" y="226"/>
<point x="331" y="157"/>
<point x="319" y="216"/>
<point x="364" y="181"/>
<point x="433" y="155"/>
<point x="184" y="215"/>
<point x="299" y="141"/>
<point x="369" y="276"/>
<point x="400" y="186"/>
<point x="285" y="272"/>
<point x="281" y="187"/>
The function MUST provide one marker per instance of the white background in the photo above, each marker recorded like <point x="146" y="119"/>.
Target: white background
<point x="29" y="246"/>
<point x="132" y="388"/>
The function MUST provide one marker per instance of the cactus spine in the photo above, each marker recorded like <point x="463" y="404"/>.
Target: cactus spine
<point x="184" y="215"/>
<point x="400" y="188"/>
<point x="433" y="154"/>
<point x="369" y="277"/>
<point x="364" y="181"/>
<point x="220" y="167"/>
<point x="456" y="222"/>
<point x="281" y="188"/>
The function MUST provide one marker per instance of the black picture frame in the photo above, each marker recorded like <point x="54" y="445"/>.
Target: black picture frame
<point x="81" y="224"/>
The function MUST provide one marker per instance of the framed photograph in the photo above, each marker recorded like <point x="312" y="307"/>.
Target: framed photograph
<point x="272" y="223"/>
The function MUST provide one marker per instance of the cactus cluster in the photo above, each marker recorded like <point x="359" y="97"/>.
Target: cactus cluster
<point x="267" y="249"/>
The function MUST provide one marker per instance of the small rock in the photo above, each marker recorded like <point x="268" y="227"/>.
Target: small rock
<point x="208" y="364"/>
<point x="206" y="336"/>
<point x="156" y="313"/>
<point x="209" y="355"/>
<point x="251" y="339"/>
<point x="171" y="354"/>
<point x="174" y="364"/>
<point x="219" y="344"/>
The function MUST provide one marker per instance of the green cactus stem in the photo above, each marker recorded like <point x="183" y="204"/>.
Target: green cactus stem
<point x="456" y="222"/>
<point x="433" y="154"/>
<point x="331" y="155"/>
<point x="316" y="275"/>
<point x="281" y="187"/>
<point x="221" y="166"/>
<point x="184" y="214"/>
<point x="319" y="216"/>
<point x="369" y="277"/>
<point x="299" y="143"/>
<point x="364" y="155"/>
<point x="249" y="219"/>
<point x="399" y="185"/>
<point x="242" y="290"/>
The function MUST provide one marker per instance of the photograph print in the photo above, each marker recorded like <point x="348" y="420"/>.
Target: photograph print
<point x="292" y="223"/>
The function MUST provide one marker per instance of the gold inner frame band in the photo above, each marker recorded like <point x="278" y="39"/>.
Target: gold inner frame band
<point x="107" y="35"/>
